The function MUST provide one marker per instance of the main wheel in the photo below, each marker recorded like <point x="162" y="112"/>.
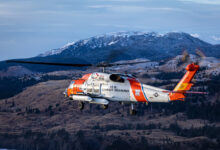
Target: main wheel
<point x="104" y="106"/>
<point x="133" y="112"/>
<point x="81" y="105"/>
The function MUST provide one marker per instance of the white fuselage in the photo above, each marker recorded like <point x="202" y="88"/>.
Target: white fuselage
<point x="100" y="86"/>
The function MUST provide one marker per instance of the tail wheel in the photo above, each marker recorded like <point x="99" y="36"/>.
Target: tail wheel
<point x="81" y="105"/>
<point x="133" y="112"/>
<point x="104" y="106"/>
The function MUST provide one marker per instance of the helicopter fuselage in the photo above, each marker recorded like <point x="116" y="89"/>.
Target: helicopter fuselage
<point x="102" y="88"/>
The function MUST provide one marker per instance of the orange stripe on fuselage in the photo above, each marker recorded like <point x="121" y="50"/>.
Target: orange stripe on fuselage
<point x="86" y="76"/>
<point x="137" y="90"/>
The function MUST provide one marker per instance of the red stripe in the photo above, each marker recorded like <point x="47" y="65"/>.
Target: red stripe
<point x="137" y="90"/>
<point x="86" y="76"/>
<point x="77" y="85"/>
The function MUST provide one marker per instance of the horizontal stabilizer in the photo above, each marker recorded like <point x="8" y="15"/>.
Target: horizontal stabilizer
<point x="186" y="92"/>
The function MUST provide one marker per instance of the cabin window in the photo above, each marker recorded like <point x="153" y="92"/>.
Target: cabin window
<point x="116" y="78"/>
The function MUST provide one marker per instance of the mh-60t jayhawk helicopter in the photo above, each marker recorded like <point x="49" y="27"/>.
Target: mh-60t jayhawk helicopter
<point x="102" y="88"/>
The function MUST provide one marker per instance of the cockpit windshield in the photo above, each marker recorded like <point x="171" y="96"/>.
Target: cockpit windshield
<point x="71" y="84"/>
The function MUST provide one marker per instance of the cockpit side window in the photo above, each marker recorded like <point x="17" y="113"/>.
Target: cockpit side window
<point x="116" y="78"/>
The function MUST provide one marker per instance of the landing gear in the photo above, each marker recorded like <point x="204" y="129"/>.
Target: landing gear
<point x="81" y="105"/>
<point x="121" y="103"/>
<point x="132" y="110"/>
<point x="104" y="106"/>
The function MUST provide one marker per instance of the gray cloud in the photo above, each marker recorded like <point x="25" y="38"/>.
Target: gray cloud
<point x="210" y="2"/>
<point x="129" y="8"/>
<point x="30" y="27"/>
<point x="215" y="38"/>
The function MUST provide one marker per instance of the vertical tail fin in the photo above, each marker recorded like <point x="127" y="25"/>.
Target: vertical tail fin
<point x="185" y="83"/>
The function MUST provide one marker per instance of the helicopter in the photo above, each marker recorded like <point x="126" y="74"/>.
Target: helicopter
<point x="103" y="88"/>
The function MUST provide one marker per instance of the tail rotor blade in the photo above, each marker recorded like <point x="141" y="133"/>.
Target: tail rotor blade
<point x="200" y="53"/>
<point x="185" y="57"/>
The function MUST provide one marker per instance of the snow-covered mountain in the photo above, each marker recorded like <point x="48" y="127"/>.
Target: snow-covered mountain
<point x="126" y="46"/>
<point x="132" y="45"/>
<point x="56" y="51"/>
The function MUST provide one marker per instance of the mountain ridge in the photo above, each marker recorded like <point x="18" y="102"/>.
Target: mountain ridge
<point x="109" y="37"/>
<point x="147" y="45"/>
<point x="125" y="46"/>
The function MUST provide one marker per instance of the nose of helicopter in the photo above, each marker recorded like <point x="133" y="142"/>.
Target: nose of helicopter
<point x="68" y="91"/>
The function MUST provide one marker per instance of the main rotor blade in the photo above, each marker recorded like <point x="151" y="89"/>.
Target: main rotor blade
<point x="120" y="64"/>
<point x="73" y="65"/>
<point x="113" y="54"/>
<point x="47" y="63"/>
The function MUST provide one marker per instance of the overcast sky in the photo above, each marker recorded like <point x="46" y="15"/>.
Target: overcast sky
<point x="31" y="27"/>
